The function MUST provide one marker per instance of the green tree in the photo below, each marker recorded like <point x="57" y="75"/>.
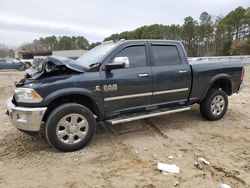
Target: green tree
<point x="92" y="45"/>
<point x="65" y="43"/>
<point x="205" y="34"/>
<point x="189" y="35"/>
<point x="82" y="43"/>
<point x="50" y="43"/>
<point x="5" y="51"/>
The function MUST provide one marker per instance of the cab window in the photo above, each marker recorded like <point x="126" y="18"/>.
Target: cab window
<point x="136" y="55"/>
<point x="164" y="55"/>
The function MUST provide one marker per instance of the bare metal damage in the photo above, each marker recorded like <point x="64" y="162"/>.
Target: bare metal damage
<point x="50" y="66"/>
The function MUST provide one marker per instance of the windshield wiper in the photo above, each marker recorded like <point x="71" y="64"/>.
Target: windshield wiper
<point x="94" y="65"/>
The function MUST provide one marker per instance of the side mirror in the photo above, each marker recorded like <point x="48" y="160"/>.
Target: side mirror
<point x="124" y="60"/>
<point x="119" y="63"/>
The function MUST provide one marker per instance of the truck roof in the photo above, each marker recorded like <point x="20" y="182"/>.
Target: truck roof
<point x="145" y="40"/>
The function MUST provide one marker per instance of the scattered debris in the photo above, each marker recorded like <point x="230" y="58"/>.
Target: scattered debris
<point x="223" y="185"/>
<point x="170" y="157"/>
<point x="145" y="149"/>
<point x="176" y="183"/>
<point x="201" y="159"/>
<point x="167" y="168"/>
<point x="201" y="162"/>
<point x="198" y="165"/>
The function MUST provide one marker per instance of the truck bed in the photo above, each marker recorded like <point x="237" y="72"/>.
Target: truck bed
<point x="205" y="73"/>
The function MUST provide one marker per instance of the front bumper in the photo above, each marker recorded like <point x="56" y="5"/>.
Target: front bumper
<point x="23" y="118"/>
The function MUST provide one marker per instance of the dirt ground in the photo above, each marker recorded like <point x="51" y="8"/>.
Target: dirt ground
<point x="126" y="155"/>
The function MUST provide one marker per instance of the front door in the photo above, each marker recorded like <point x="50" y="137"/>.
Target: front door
<point x="127" y="89"/>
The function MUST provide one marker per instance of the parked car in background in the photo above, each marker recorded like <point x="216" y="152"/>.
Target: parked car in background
<point x="6" y="63"/>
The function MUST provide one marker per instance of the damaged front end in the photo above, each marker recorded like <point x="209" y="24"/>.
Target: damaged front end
<point x="25" y="108"/>
<point x="51" y="66"/>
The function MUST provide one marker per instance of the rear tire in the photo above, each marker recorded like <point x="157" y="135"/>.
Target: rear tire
<point x="70" y="127"/>
<point x="215" y="105"/>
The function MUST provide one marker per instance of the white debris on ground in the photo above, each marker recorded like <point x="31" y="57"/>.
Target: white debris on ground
<point x="170" y="157"/>
<point x="201" y="159"/>
<point x="223" y="185"/>
<point x="176" y="183"/>
<point x="168" y="168"/>
<point x="201" y="162"/>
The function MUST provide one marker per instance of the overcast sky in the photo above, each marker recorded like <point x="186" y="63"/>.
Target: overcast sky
<point x="24" y="20"/>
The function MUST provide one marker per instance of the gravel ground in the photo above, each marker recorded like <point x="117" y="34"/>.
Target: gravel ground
<point x="126" y="155"/>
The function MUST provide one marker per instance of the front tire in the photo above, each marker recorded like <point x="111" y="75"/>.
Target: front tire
<point x="215" y="105"/>
<point x="70" y="127"/>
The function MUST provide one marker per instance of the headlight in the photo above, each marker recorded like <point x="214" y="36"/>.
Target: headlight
<point x="27" y="95"/>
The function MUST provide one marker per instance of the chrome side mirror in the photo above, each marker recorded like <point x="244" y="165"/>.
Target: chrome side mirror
<point x="122" y="60"/>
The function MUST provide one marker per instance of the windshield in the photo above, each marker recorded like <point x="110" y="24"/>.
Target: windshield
<point x="96" y="54"/>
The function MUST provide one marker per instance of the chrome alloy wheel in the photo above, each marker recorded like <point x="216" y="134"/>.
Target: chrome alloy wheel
<point x="218" y="105"/>
<point x="72" y="128"/>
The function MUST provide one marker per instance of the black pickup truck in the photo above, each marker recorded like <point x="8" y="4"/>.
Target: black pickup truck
<point x="118" y="82"/>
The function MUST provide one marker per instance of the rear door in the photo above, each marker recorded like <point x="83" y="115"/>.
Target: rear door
<point x="171" y="74"/>
<point x="130" y="88"/>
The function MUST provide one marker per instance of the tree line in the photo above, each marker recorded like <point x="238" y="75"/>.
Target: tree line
<point x="229" y="35"/>
<point x="5" y="51"/>
<point x="53" y="43"/>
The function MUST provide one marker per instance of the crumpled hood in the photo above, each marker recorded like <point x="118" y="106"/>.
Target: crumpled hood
<point x="70" y="63"/>
<point x="51" y="66"/>
<point x="39" y="65"/>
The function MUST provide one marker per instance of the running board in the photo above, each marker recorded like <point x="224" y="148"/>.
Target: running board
<point x="159" y="112"/>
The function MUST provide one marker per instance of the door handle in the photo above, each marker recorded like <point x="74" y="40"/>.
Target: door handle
<point x="182" y="71"/>
<point x="143" y="75"/>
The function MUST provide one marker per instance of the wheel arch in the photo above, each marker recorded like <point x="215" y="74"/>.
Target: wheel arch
<point x="222" y="81"/>
<point x="84" y="99"/>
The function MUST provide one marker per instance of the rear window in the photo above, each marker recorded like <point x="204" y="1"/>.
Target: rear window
<point x="164" y="55"/>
